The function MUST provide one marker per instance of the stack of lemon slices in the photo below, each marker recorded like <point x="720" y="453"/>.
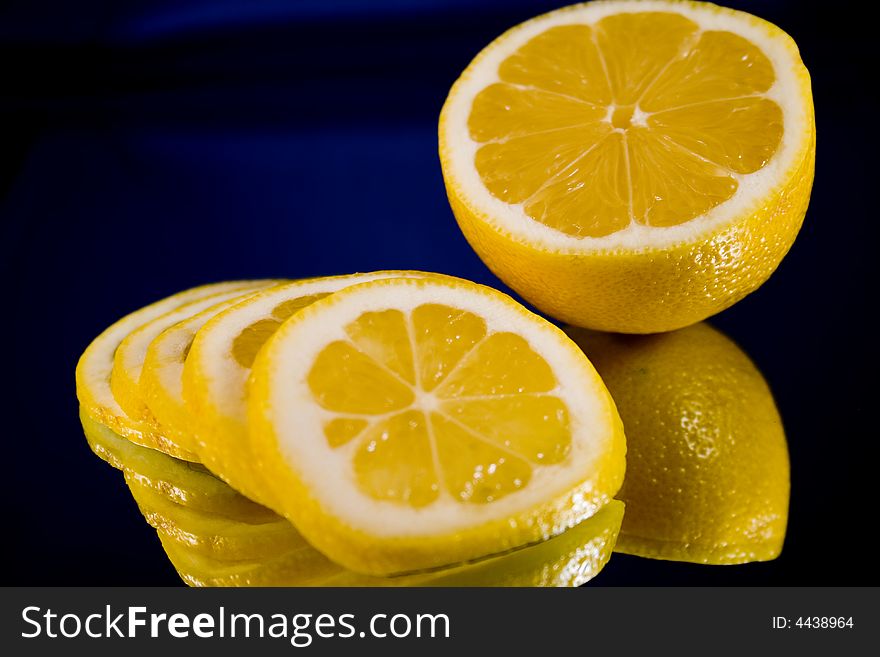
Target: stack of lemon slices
<point x="625" y="166"/>
<point x="390" y="428"/>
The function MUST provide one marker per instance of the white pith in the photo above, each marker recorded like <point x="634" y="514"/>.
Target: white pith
<point x="297" y="421"/>
<point x="224" y="379"/>
<point x="460" y="149"/>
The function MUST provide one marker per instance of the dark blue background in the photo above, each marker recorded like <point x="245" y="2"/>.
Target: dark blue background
<point x="149" y="147"/>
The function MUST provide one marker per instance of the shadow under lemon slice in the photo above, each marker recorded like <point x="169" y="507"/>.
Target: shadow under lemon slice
<point x="707" y="478"/>
<point x="216" y="537"/>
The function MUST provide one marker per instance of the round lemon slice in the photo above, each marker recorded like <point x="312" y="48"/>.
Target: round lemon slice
<point x="96" y="363"/>
<point x="407" y="424"/>
<point x="632" y="166"/>
<point x="128" y="361"/>
<point x="218" y="364"/>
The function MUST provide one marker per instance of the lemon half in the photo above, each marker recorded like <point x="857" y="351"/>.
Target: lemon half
<point x="632" y="166"/>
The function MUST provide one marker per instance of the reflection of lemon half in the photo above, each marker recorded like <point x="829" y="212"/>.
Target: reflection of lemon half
<point x="632" y="166"/>
<point x="96" y="363"/>
<point x="707" y="476"/>
<point x="218" y="364"/>
<point x="407" y="424"/>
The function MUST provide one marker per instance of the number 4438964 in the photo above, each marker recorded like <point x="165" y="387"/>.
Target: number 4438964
<point x="814" y="622"/>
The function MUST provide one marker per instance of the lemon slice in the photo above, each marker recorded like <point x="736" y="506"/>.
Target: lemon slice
<point x="128" y="360"/>
<point x="96" y="363"/>
<point x="632" y="166"/>
<point x="161" y="379"/>
<point x="407" y="424"/>
<point x="218" y="364"/>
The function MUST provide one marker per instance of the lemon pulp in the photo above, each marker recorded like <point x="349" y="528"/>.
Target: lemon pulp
<point x="441" y="406"/>
<point x="639" y="118"/>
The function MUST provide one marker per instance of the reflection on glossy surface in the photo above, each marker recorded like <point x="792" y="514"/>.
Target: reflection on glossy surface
<point x="216" y="537"/>
<point x="707" y="477"/>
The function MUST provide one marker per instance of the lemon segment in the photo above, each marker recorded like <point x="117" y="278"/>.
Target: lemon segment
<point x="217" y="366"/>
<point x="93" y="371"/>
<point x="707" y="476"/>
<point x="511" y="439"/>
<point x="632" y="166"/>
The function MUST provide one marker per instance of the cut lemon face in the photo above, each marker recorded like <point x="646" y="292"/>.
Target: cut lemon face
<point x="218" y="364"/>
<point x="407" y="424"/>
<point x="128" y="361"/>
<point x="612" y="143"/>
<point x="93" y="371"/>
<point x="161" y="379"/>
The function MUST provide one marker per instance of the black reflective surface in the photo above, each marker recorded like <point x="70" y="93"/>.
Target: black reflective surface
<point x="148" y="148"/>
